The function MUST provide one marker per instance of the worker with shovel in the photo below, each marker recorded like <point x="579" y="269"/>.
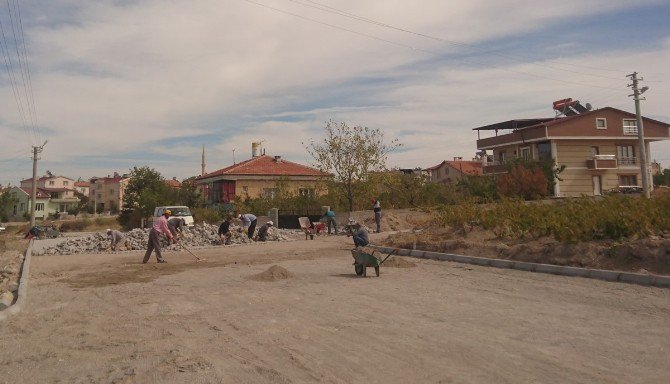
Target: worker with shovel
<point x="115" y="238"/>
<point x="160" y="226"/>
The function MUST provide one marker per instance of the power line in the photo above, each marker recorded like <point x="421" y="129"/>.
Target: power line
<point x="326" y="8"/>
<point x="27" y="66"/>
<point x="419" y="49"/>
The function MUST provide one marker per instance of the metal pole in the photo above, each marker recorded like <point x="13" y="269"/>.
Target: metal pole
<point x="640" y="134"/>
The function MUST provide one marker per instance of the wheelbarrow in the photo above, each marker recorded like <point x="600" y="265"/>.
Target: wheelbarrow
<point x="363" y="260"/>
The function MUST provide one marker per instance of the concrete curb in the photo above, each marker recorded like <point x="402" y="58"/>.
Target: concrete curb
<point x="600" y="274"/>
<point x="23" y="286"/>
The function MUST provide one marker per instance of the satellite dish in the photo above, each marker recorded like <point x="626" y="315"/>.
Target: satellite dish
<point x="588" y="106"/>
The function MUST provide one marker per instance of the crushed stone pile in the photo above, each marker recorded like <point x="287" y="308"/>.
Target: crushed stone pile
<point x="198" y="236"/>
<point x="399" y="262"/>
<point x="273" y="273"/>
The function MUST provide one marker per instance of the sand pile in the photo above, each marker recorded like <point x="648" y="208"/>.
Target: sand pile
<point x="399" y="262"/>
<point x="273" y="273"/>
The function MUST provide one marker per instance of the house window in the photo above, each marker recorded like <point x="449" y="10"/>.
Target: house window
<point x="629" y="127"/>
<point x="39" y="207"/>
<point x="601" y="123"/>
<point x="51" y="182"/>
<point x="23" y="207"/>
<point x="544" y="150"/>
<point x="627" y="180"/>
<point x="54" y="195"/>
<point x="502" y="157"/>
<point x="625" y="154"/>
<point x="307" y="192"/>
<point x="525" y="153"/>
<point x="65" y="183"/>
<point x="446" y="171"/>
<point x="269" y="193"/>
<point x="111" y="192"/>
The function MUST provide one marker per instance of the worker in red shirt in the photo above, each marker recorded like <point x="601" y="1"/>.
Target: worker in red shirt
<point x="160" y="226"/>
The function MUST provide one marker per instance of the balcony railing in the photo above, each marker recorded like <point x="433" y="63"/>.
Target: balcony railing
<point x="630" y="131"/>
<point x="494" y="167"/>
<point x="626" y="160"/>
<point x="602" y="162"/>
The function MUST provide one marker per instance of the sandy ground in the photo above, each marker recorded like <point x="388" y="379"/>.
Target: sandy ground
<point x="109" y="319"/>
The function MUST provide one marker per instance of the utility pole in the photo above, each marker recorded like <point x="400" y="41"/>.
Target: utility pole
<point x="33" y="195"/>
<point x="640" y="131"/>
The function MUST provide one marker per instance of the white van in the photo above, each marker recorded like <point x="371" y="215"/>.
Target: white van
<point x="180" y="211"/>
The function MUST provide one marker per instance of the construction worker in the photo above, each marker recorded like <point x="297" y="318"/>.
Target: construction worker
<point x="115" y="237"/>
<point x="360" y="235"/>
<point x="160" y="226"/>
<point x="329" y="217"/>
<point x="224" y="231"/>
<point x="263" y="231"/>
<point x="176" y="225"/>
<point x="248" y="222"/>
<point x="377" y="209"/>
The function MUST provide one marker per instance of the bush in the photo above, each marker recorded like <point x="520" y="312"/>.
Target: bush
<point x="208" y="215"/>
<point x="73" y="226"/>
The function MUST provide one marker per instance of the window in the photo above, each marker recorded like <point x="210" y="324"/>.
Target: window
<point x="601" y="123"/>
<point x="65" y="184"/>
<point x="502" y="157"/>
<point x="307" y="192"/>
<point x="595" y="151"/>
<point x="625" y="154"/>
<point x="99" y="186"/>
<point x="525" y="153"/>
<point x="269" y="193"/>
<point x="544" y="150"/>
<point x="39" y="207"/>
<point x="54" y="195"/>
<point x="629" y="127"/>
<point x="627" y="180"/>
<point x="23" y="207"/>
<point x="111" y="192"/>
<point x="51" y="182"/>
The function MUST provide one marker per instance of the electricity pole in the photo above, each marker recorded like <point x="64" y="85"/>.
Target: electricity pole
<point x="33" y="200"/>
<point x="640" y="132"/>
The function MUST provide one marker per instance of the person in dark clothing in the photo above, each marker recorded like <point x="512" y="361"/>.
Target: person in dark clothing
<point x="33" y="232"/>
<point x="360" y="235"/>
<point x="224" y="231"/>
<point x="377" y="209"/>
<point x="263" y="231"/>
<point x="176" y="225"/>
<point x="249" y="222"/>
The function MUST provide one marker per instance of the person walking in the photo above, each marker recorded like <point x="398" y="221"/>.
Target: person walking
<point x="377" y="209"/>
<point x="249" y="222"/>
<point x="160" y="226"/>
<point x="224" y="231"/>
<point x="263" y="231"/>
<point x="115" y="237"/>
<point x="329" y="217"/>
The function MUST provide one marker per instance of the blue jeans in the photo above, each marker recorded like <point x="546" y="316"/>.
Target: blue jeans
<point x="359" y="241"/>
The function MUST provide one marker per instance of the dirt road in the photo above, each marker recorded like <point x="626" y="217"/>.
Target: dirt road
<point x="110" y="319"/>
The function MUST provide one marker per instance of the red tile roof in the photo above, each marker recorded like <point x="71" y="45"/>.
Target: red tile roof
<point x="174" y="183"/>
<point x="266" y="166"/>
<point x="82" y="184"/>
<point x="41" y="194"/>
<point x="467" y="167"/>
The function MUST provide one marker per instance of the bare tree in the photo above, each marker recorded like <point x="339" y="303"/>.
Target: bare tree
<point x="350" y="154"/>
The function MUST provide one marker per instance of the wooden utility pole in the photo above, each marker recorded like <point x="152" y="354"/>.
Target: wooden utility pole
<point x="640" y="132"/>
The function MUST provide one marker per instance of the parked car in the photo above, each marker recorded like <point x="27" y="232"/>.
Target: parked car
<point x="180" y="211"/>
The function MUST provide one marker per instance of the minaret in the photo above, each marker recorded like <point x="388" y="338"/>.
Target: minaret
<point x="203" y="161"/>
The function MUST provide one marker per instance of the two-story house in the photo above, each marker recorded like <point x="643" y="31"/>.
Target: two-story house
<point x="59" y="188"/>
<point x="21" y="206"/>
<point x="598" y="148"/>
<point x="106" y="193"/>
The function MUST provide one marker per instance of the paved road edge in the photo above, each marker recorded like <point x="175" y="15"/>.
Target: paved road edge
<point x="600" y="274"/>
<point x="23" y="286"/>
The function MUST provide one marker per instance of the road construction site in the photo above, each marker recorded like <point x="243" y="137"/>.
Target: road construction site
<point x="294" y="311"/>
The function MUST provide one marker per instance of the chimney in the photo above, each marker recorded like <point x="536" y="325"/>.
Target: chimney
<point x="278" y="159"/>
<point x="458" y="158"/>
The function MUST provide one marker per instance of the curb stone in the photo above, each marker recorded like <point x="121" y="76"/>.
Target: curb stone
<point x="660" y="281"/>
<point x="23" y="286"/>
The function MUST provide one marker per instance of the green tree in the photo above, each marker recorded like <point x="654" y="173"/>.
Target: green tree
<point x="145" y="191"/>
<point x="6" y="202"/>
<point x="662" y="178"/>
<point x="350" y="154"/>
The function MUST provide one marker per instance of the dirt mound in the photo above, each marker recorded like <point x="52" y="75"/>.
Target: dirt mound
<point x="399" y="262"/>
<point x="273" y="273"/>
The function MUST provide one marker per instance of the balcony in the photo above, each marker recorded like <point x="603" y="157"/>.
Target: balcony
<point x="627" y="161"/>
<point x="602" y="162"/>
<point x="494" y="168"/>
<point x="65" y="200"/>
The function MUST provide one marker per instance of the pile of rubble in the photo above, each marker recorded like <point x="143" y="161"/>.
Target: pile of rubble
<point x="198" y="236"/>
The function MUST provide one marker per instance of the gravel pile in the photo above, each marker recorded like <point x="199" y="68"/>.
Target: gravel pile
<point x="198" y="236"/>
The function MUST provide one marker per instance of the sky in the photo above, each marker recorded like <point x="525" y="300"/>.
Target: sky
<point x="114" y="84"/>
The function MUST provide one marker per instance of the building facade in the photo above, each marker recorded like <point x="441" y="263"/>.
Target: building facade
<point x="448" y="172"/>
<point x="106" y="193"/>
<point x="599" y="148"/>
<point x="20" y="209"/>
<point x="59" y="188"/>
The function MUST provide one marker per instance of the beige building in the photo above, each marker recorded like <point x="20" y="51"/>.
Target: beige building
<point x="599" y="148"/>
<point x="106" y="193"/>
<point x="452" y="171"/>
<point x="60" y="190"/>
<point x="258" y="177"/>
